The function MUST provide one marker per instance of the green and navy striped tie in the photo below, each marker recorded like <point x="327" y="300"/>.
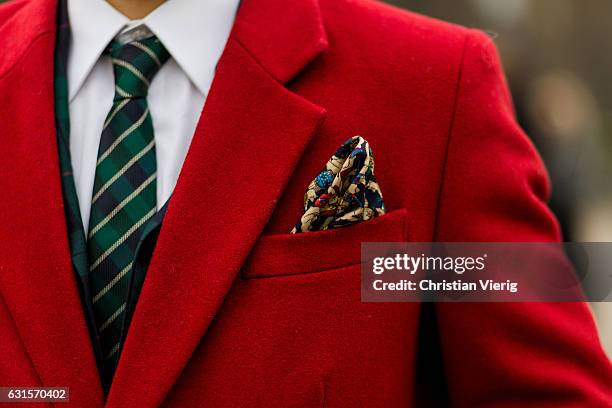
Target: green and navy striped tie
<point x="124" y="192"/>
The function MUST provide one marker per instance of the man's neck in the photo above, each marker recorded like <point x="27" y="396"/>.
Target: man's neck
<point x="135" y="9"/>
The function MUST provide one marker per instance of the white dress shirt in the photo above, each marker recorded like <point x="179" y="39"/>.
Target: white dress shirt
<point x="193" y="31"/>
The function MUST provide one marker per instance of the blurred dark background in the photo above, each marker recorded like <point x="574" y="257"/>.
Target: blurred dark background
<point x="558" y="59"/>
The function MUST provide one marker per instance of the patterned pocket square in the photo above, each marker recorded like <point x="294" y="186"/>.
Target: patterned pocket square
<point x="345" y="191"/>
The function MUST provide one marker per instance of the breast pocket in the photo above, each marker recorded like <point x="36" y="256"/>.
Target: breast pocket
<point x="283" y="255"/>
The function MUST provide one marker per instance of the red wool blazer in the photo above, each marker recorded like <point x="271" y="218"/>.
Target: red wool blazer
<point x="237" y="313"/>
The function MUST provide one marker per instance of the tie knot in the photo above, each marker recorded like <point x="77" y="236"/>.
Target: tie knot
<point x="135" y="63"/>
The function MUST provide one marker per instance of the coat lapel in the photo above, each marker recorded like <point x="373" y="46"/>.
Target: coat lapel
<point x="37" y="280"/>
<point x="252" y="132"/>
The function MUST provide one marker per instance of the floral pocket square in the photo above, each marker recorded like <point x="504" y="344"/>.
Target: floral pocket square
<point x="345" y="192"/>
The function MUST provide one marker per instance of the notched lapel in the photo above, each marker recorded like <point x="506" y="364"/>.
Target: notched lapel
<point x="249" y="139"/>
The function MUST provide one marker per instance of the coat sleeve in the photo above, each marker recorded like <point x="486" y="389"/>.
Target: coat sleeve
<point x="495" y="189"/>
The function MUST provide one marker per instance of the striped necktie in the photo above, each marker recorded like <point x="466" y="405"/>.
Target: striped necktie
<point x="124" y="192"/>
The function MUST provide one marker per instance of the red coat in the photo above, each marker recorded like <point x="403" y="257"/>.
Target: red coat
<point x="234" y="312"/>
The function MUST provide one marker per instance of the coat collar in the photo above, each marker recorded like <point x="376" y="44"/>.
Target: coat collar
<point x="283" y="36"/>
<point x="252" y="129"/>
<point x="267" y="28"/>
<point x="31" y="20"/>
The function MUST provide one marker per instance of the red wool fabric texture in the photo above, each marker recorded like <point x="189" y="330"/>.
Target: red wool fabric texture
<point x="234" y="311"/>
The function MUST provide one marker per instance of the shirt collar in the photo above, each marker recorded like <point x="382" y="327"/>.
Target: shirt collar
<point x="193" y="31"/>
